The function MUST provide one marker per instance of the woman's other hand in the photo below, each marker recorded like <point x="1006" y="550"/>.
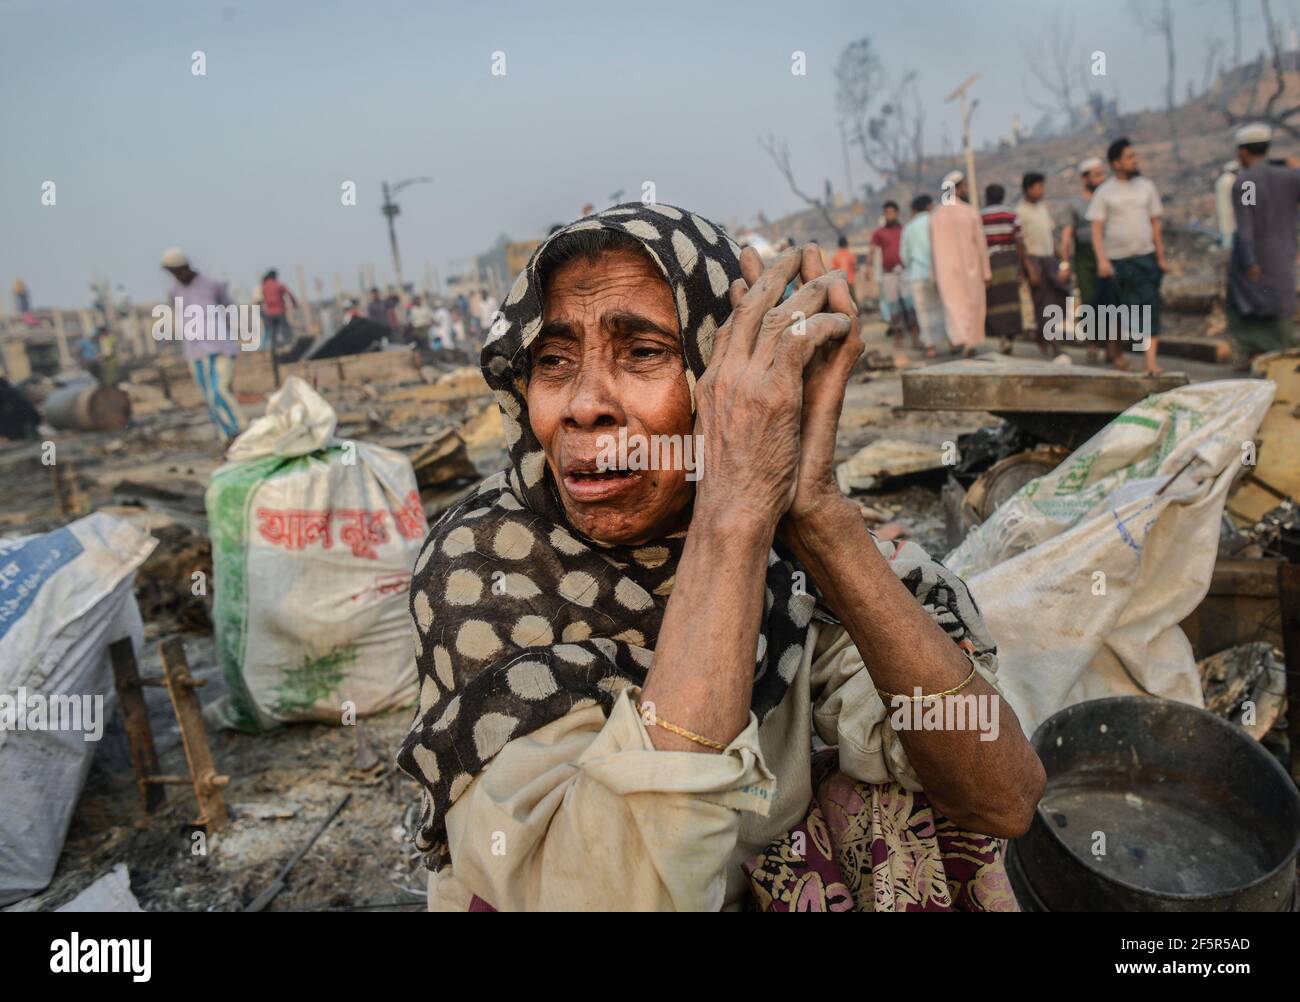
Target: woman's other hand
<point x="751" y="398"/>
<point x="825" y="380"/>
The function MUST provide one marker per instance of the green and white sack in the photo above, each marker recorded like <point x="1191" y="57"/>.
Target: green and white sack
<point x="1084" y="574"/>
<point x="313" y="541"/>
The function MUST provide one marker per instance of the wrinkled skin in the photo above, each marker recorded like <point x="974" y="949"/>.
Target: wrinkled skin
<point x="609" y="356"/>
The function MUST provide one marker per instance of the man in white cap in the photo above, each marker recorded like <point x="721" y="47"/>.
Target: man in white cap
<point x="211" y="351"/>
<point x="1261" y="274"/>
<point x="1076" y="236"/>
<point x="961" y="263"/>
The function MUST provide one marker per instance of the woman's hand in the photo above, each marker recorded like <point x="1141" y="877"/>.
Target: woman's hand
<point x="748" y="413"/>
<point x="750" y="401"/>
<point x="824" y="383"/>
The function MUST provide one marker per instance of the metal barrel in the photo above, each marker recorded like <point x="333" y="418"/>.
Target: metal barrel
<point x="84" y="406"/>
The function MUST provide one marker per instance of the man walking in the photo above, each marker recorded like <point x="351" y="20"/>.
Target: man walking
<point x="1261" y="275"/>
<point x="915" y="256"/>
<point x="275" y="315"/>
<point x="895" y="310"/>
<point x="1048" y="281"/>
<point x="1076" y="238"/>
<point x="1125" y="216"/>
<point x="961" y="264"/>
<point x="212" y="357"/>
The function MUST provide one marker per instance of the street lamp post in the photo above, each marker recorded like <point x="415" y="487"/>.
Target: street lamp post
<point x="390" y="210"/>
<point x="967" y="109"/>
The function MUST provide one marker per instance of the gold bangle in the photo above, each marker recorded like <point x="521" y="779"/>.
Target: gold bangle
<point x="699" y="739"/>
<point x="889" y="697"/>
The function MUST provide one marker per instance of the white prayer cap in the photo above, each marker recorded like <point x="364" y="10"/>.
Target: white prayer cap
<point x="1255" y="132"/>
<point x="1232" y="166"/>
<point x="952" y="179"/>
<point x="1090" y="164"/>
<point x="174" y="257"/>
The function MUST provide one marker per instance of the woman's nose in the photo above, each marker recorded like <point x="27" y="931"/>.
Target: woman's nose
<point x="595" y="400"/>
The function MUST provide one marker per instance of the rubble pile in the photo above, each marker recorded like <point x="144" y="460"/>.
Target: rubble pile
<point x="313" y="815"/>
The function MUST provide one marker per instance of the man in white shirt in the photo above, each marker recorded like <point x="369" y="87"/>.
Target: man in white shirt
<point x="440" y="335"/>
<point x="1223" y="204"/>
<point x="1125" y="215"/>
<point x="1049" y="280"/>
<point x="487" y="310"/>
<point x="420" y="317"/>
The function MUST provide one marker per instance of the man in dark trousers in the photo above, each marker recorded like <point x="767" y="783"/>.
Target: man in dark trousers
<point x="1261" y="273"/>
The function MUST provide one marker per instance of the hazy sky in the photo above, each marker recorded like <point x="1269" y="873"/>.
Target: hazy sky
<point x="243" y="166"/>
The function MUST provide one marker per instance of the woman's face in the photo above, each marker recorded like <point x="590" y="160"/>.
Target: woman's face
<point x="608" y="356"/>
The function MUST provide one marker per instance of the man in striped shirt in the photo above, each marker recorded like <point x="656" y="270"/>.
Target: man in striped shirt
<point x="1006" y="260"/>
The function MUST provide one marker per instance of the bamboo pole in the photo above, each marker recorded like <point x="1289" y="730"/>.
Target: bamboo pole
<point x="65" y="356"/>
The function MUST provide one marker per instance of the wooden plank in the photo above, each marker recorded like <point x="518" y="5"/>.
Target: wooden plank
<point x="1001" y="384"/>
<point x="380" y="367"/>
<point x="203" y="771"/>
<point x="1214" y="350"/>
<point x="135" y="720"/>
<point x="1244" y="577"/>
<point x="436" y="392"/>
<point x="1279" y="443"/>
<point x="1240" y="606"/>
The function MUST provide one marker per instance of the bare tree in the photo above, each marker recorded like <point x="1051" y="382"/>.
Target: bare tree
<point x="1275" y="113"/>
<point x="1213" y="53"/>
<point x="1236" y="33"/>
<point x="1157" y="18"/>
<point x="887" y="124"/>
<point x="1058" y="68"/>
<point x="1274" y="34"/>
<point x="779" y="151"/>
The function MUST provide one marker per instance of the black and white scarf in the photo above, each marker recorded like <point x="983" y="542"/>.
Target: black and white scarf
<point x="520" y="620"/>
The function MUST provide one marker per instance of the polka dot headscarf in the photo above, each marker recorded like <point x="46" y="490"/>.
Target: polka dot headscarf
<point x="519" y="619"/>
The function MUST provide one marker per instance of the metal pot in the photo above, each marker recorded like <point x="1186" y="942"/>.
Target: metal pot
<point x="1154" y="806"/>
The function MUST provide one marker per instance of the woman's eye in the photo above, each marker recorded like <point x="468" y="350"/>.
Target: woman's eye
<point x="645" y="351"/>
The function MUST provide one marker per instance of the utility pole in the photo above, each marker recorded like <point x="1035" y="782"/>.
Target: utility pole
<point x="390" y="210"/>
<point x="967" y="109"/>
<point x="848" y="174"/>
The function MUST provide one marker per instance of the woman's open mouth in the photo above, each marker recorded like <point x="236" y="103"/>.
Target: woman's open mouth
<point x="588" y="484"/>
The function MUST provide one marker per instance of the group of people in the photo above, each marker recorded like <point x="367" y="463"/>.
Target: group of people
<point x="952" y="276"/>
<point x="432" y="322"/>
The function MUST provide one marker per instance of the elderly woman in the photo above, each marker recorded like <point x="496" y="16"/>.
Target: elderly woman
<point x="665" y="686"/>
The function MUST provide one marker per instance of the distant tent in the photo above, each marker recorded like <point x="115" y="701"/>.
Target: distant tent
<point x="356" y="336"/>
